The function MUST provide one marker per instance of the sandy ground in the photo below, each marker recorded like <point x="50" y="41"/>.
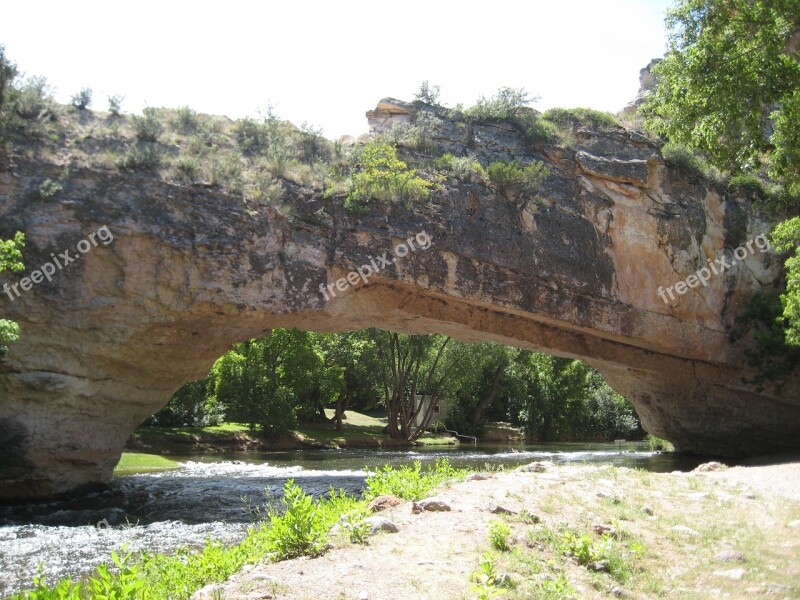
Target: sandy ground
<point x="683" y="520"/>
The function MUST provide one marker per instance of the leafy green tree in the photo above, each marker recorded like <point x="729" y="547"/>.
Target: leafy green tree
<point x="8" y="71"/>
<point x="10" y="260"/>
<point x="268" y="383"/>
<point x="730" y="83"/>
<point x="787" y="239"/>
<point x="412" y="374"/>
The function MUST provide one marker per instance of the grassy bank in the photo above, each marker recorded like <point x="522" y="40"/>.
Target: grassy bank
<point x="143" y="463"/>
<point x="298" y="526"/>
<point x="360" y="431"/>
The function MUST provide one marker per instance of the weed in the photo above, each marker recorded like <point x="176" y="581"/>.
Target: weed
<point x="498" y="535"/>
<point x="299" y="531"/>
<point x="411" y="483"/>
<point x="485" y="578"/>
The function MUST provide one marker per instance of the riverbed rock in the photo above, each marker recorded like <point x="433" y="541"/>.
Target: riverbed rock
<point x="383" y="502"/>
<point x="682" y="529"/>
<point x="500" y="510"/>
<point x="601" y="529"/>
<point x="735" y="574"/>
<point x="430" y="504"/>
<point x="794" y="524"/>
<point x="727" y="556"/>
<point x="534" y="467"/>
<point x="589" y="266"/>
<point x="710" y="467"/>
<point x="378" y="524"/>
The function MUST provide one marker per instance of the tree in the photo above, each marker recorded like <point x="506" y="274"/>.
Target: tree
<point x="428" y="94"/>
<point x="730" y="83"/>
<point x="8" y="70"/>
<point x="269" y="383"/>
<point x="10" y="260"/>
<point x="787" y="238"/>
<point x="411" y="366"/>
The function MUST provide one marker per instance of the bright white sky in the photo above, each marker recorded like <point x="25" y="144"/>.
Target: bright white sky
<point x="327" y="63"/>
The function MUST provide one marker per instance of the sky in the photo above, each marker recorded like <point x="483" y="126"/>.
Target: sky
<point x="327" y="63"/>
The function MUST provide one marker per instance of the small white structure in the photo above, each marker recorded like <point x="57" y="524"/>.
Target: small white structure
<point x="440" y="410"/>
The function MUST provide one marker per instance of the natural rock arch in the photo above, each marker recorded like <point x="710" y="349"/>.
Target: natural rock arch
<point x="574" y="271"/>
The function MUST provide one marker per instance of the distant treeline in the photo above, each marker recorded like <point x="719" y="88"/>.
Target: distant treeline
<point x="275" y="383"/>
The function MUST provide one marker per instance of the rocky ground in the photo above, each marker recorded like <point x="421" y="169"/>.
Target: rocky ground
<point x="573" y="532"/>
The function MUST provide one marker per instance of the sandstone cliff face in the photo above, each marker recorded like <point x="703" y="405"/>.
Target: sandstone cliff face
<point x="574" y="271"/>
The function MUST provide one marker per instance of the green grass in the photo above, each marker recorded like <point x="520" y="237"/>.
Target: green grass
<point x="360" y="430"/>
<point x="143" y="463"/>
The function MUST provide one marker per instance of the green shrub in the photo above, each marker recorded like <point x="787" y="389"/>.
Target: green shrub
<point x="48" y="188"/>
<point x="380" y="175"/>
<point x="461" y="167"/>
<point x="82" y="100"/>
<point x="33" y="100"/>
<point x="252" y="137"/>
<point x="485" y="578"/>
<point x="188" y="168"/>
<point x="681" y="158"/>
<point x="502" y="106"/>
<point x="512" y="176"/>
<point x="311" y="144"/>
<point x="226" y="172"/>
<point x="301" y="529"/>
<point x="142" y="156"/>
<point x="498" y="535"/>
<point x="115" y="104"/>
<point x="581" y="117"/>
<point x="748" y="185"/>
<point x="148" y="127"/>
<point x="185" y="120"/>
<point x="410" y="482"/>
<point x="588" y="552"/>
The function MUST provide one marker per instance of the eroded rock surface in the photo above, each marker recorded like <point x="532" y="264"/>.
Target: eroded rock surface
<point x="573" y="270"/>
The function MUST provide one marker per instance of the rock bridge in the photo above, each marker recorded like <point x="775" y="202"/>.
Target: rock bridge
<point x="599" y="265"/>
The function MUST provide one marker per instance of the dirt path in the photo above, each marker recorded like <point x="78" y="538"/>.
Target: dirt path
<point x="677" y="535"/>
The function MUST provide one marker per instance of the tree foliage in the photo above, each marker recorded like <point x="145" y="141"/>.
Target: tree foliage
<point x="729" y="83"/>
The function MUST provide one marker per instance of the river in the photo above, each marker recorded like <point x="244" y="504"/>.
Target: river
<point x="207" y="498"/>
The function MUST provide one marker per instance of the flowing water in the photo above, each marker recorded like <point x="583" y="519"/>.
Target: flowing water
<point x="208" y="498"/>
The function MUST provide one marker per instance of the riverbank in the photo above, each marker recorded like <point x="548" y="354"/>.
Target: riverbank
<point x="360" y="431"/>
<point x="566" y="532"/>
